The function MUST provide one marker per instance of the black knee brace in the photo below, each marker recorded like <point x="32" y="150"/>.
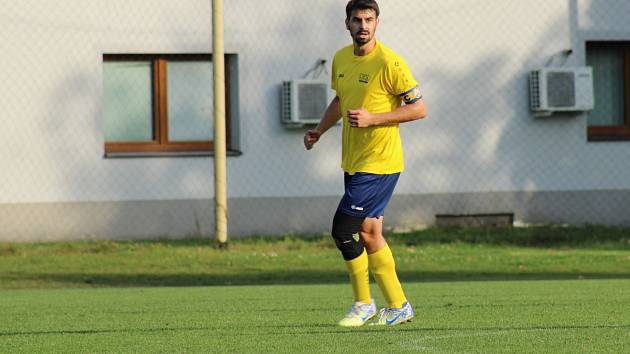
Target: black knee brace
<point x="345" y="231"/>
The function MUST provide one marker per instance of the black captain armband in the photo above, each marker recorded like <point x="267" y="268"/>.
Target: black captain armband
<point x="412" y="95"/>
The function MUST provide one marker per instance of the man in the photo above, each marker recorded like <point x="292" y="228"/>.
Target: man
<point x="371" y="82"/>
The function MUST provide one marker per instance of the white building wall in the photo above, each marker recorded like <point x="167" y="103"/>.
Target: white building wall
<point x="470" y="56"/>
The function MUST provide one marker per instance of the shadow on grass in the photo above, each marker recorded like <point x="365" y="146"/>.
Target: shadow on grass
<point x="102" y="331"/>
<point x="301" y="277"/>
<point x="327" y="328"/>
<point x="538" y="237"/>
<point x="449" y="332"/>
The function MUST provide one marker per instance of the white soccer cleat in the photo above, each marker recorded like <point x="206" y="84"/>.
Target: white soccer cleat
<point x="359" y="314"/>
<point x="389" y="316"/>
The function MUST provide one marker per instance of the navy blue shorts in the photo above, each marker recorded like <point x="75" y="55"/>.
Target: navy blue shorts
<point x="367" y="194"/>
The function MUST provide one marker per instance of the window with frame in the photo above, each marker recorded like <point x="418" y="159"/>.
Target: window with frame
<point x="163" y="104"/>
<point x="610" y="118"/>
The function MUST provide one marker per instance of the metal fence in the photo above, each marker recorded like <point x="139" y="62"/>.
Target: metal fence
<point x="107" y="115"/>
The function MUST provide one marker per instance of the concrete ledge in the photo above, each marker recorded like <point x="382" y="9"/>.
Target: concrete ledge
<point x="309" y="215"/>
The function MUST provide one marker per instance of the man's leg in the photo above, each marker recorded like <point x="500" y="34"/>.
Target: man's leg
<point x="346" y="233"/>
<point x="381" y="261"/>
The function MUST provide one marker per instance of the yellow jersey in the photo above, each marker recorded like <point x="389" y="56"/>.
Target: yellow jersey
<point x="377" y="82"/>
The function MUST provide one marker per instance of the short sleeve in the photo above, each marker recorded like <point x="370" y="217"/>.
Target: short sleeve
<point x="333" y="77"/>
<point x="399" y="79"/>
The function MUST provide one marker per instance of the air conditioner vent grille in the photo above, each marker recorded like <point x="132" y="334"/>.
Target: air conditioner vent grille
<point x="312" y="100"/>
<point x="286" y="101"/>
<point x="534" y="90"/>
<point x="303" y="101"/>
<point x="561" y="89"/>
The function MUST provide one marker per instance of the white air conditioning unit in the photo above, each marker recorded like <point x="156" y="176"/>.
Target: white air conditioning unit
<point x="561" y="89"/>
<point x="304" y="101"/>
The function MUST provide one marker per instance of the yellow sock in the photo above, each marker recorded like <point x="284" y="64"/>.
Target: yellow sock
<point x="384" y="269"/>
<point x="360" y="278"/>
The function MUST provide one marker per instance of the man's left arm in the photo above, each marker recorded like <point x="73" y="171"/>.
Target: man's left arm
<point x="398" y="81"/>
<point x="361" y="118"/>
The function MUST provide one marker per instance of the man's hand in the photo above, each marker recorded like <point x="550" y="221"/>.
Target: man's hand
<point x="311" y="137"/>
<point x="361" y="118"/>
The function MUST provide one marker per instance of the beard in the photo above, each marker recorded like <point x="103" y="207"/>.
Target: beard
<point x="362" y="38"/>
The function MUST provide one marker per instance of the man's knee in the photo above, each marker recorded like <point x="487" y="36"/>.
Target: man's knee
<point x="372" y="230"/>
<point x="345" y="231"/>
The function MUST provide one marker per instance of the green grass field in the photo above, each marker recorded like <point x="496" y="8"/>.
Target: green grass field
<point x="474" y="291"/>
<point x="576" y="316"/>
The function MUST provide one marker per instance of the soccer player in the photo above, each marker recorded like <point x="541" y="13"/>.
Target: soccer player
<point x="371" y="82"/>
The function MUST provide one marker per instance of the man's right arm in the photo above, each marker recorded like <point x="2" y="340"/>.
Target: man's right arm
<point x="331" y="116"/>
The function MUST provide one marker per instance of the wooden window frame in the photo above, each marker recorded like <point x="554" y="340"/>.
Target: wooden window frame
<point x="614" y="132"/>
<point x="160" y="142"/>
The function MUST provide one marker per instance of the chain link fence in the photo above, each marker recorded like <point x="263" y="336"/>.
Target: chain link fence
<point x="107" y="115"/>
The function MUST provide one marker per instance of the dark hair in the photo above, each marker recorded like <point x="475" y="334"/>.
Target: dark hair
<point x="361" y="5"/>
